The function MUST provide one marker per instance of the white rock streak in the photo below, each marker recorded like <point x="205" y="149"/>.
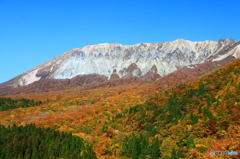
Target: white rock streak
<point x="29" y="78"/>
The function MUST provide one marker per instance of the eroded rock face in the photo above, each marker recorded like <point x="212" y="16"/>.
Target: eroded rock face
<point x="114" y="77"/>
<point x="120" y="61"/>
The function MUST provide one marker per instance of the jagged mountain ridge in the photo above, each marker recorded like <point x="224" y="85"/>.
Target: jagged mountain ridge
<point x="129" y="60"/>
<point x="93" y="81"/>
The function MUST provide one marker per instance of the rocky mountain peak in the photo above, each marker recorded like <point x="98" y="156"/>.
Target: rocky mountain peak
<point x="129" y="60"/>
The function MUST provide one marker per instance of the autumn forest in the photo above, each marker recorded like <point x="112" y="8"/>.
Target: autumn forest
<point x="185" y="114"/>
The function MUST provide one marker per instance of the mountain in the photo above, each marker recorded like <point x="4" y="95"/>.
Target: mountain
<point x="92" y="81"/>
<point x="135" y="111"/>
<point x="149" y="120"/>
<point x="123" y="61"/>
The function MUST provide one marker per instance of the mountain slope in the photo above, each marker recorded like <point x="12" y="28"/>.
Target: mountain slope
<point x="93" y="81"/>
<point x="188" y="120"/>
<point x="129" y="60"/>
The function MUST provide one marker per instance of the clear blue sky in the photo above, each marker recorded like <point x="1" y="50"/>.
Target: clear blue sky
<point x="35" y="31"/>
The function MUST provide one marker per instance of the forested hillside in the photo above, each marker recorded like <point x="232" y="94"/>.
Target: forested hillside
<point x="186" y="121"/>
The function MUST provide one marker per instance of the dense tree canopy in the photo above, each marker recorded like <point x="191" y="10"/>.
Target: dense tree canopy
<point x="30" y="142"/>
<point x="8" y="103"/>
